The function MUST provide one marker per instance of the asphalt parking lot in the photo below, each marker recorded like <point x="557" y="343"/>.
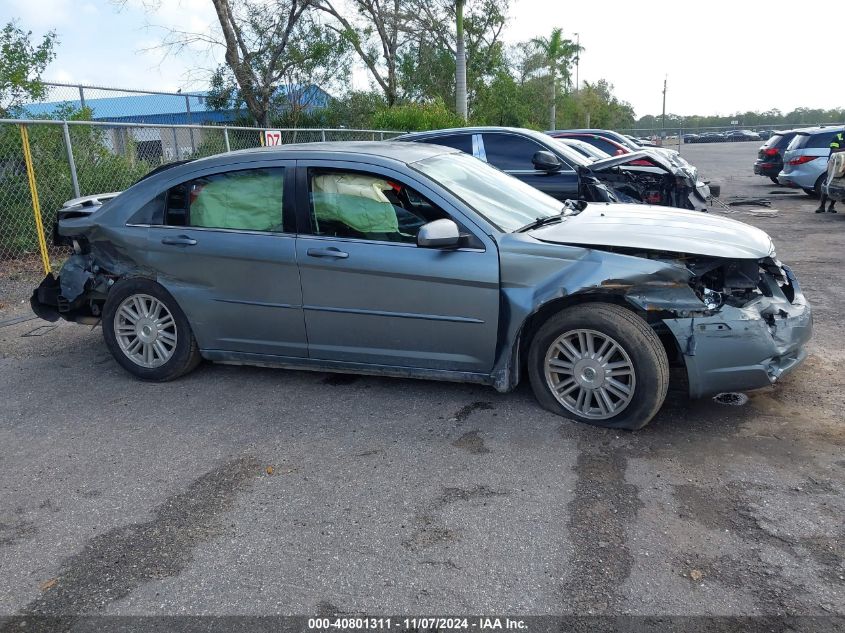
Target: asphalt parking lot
<point x="240" y="490"/>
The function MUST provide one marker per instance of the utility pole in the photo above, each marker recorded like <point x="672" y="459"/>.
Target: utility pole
<point x="577" y="61"/>
<point x="664" y="106"/>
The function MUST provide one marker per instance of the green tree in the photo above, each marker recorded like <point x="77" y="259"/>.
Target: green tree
<point x="378" y="34"/>
<point x="409" y="117"/>
<point x="595" y="105"/>
<point x="21" y="66"/>
<point x="106" y="160"/>
<point x="315" y="57"/>
<point x="257" y="38"/>
<point x="428" y="64"/>
<point x="558" y="54"/>
<point x="355" y="110"/>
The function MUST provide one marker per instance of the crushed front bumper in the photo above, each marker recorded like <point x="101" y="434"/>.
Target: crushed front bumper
<point x="745" y="348"/>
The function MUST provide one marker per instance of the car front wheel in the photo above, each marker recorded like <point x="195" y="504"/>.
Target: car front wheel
<point x="147" y="332"/>
<point x="600" y="364"/>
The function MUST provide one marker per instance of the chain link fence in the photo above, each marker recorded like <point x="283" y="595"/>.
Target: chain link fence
<point x="674" y="137"/>
<point x="70" y="159"/>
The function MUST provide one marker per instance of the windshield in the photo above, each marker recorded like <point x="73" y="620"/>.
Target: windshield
<point x="593" y="153"/>
<point x="623" y="140"/>
<point x="505" y="202"/>
<point x="584" y="150"/>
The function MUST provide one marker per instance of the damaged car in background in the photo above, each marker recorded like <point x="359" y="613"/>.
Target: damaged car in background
<point x="415" y="260"/>
<point x="650" y="175"/>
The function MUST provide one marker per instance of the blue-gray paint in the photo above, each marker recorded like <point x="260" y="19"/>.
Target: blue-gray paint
<point x="408" y="311"/>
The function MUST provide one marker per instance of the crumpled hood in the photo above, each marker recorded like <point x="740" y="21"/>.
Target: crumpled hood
<point x="658" y="229"/>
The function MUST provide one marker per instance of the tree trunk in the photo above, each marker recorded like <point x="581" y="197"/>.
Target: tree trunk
<point x="552" y="108"/>
<point x="460" y="63"/>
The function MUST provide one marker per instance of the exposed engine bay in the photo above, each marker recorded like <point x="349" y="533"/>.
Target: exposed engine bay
<point x="719" y="282"/>
<point x="658" y="185"/>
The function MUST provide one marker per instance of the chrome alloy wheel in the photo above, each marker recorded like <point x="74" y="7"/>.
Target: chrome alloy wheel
<point x="590" y="374"/>
<point x="145" y="330"/>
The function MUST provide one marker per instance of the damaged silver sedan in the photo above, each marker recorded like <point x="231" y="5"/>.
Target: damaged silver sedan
<point x="415" y="260"/>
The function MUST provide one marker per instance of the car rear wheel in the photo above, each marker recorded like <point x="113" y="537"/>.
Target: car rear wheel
<point x="147" y="332"/>
<point x="816" y="191"/>
<point x="600" y="364"/>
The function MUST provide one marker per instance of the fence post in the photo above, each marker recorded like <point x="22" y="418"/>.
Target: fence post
<point x="81" y="97"/>
<point x="36" y="206"/>
<point x="381" y="136"/>
<point x="226" y="138"/>
<point x="70" y="161"/>
<point x="323" y="135"/>
<point x="175" y="145"/>
<point x="190" y="130"/>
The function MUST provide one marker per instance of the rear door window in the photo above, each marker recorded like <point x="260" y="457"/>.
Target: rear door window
<point x="510" y="152"/>
<point x="248" y="200"/>
<point x="821" y="140"/>
<point x="462" y="142"/>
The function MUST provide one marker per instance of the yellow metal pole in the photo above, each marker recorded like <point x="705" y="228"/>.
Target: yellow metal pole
<point x="36" y="207"/>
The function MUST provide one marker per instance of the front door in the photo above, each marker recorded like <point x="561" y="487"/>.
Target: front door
<point x="227" y="253"/>
<point x="370" y="294"/>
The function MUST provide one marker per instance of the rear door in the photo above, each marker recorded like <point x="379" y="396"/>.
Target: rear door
<point x="225" y="248"/>
<point x="513" y="154"/>
<point x="370" y="294"/>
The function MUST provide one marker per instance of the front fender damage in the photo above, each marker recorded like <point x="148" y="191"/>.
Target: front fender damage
<point x="737" y="324"/>
<point x="530" y="283"/>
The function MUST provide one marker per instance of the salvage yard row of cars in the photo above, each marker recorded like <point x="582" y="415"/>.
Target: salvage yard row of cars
<point x="798" y="158"/>
<point x="729" y="136"/>
<point x="437" y="255"/>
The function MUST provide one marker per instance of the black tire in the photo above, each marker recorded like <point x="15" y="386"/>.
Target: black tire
<point x="185" y="356"/>
<point x="631" y="333"/>
<point x="774" y="179"/>
<point x="817" y="188"/>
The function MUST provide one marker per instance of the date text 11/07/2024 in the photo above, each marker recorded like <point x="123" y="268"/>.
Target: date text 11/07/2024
<point x="364" y="623"/>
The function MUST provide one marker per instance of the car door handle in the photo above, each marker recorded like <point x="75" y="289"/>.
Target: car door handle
<point x="331" y="251"/>
<point x="179" y="240"/>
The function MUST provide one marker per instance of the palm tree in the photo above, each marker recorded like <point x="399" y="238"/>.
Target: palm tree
<point x="460" y="62"/>
<point x="558" y="54"/>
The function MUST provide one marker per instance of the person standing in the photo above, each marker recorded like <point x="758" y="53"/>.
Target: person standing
<point x="837" y="144"/>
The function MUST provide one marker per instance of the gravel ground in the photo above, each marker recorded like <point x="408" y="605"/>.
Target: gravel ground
<point x="239" y="490"/>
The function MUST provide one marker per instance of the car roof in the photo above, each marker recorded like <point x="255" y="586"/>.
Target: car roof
<point x="591" y="130"/>
<point x="478" y="129"/>
<point x="823" y="129"/>
<point x="381" y="149"/>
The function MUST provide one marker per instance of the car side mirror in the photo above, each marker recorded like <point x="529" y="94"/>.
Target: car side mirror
<point x="546" y="161"/>
<point x="438" y="234"/>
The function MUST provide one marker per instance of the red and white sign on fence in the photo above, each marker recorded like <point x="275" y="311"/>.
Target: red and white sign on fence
<point x="272" y="137"/>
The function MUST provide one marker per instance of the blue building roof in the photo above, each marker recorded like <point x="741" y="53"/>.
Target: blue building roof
<point x="161" y="108"/>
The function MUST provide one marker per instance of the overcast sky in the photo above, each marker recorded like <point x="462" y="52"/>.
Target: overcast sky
<point x="720" y="56"/>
